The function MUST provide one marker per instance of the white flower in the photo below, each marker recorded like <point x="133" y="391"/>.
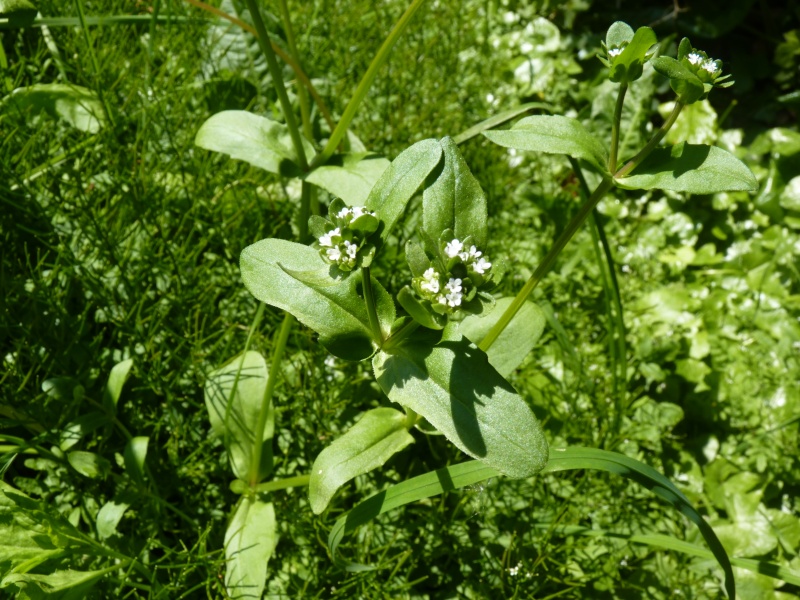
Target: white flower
<point x="454" y="285"/>
<point x="614" y="52"/>
<point x="694" y="58"/>
<point x="442" y="300"/>
<point x="334" y="254"/>
<point x="351" y="249"/>
<point x="344" y="213"/>
<point x="481" y="265"/>
<point x="453" y="299"/>
<point x="453" y="248"/>
<point x="710" y="66"/>
<point x="325" y="240"/>
<point x="431" y="281"/>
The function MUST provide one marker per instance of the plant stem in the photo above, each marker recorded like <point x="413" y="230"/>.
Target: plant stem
<point x="282" y="484"/>
<point x="615" y="123"/>
<point x="302" y="96"/>
<point x="363" y="87"/>
<point x="277" y="80"/>
<point x="369" y="300"/>
<point x="572" y="227"/>
<point x="398" y="336"/>
<point x="95" y="64"/>
<point x="266" y="403"/>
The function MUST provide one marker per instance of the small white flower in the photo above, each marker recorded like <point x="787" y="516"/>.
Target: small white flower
<point x="694" y="58"/>
<point x="481" y="265"/>
<point x="325" y="240"/>
<point x="344" y="213"/>
<point x="442" y="300"/>
<point x="614" y="52"/>
<point x="710" y="66"/>
<point x="431" y="283"/>
<point x="454" y="299"/>
<point x="334" y="254"/>
<point x="351" y="249"/>
<point x="453" y="248"/>
<point x="454" y="285"/>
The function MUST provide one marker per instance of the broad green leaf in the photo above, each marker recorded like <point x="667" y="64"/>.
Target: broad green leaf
<point x="108" y="517"/>
<point x="260" y="141"/>
<point x="683" y="82"/>
<point x="455" y="199"/>
<point x="116" y="381"/>
<point x="233" y="396"/>
<point x="401" y="181"/>
<point x="89" y="464"/>
<point x="135" y="455"/>
<point x="516" y="341"/>
<point x="379" y="434"/>
<point x="83" y="425"/>
<point x="627" y="67"/>
<point x="455" y="388"/>
<point x="499" y="119"/>
<point x="17" y="13"/>
<point x="553" y="135"/>
<point x="349" y="176"/>
<point x="691" y="168"/>
<point x="60" y="585"/>
<point x="78" y="106"/>
<point x="249" y="543"/>
<point x="295" y="278"/>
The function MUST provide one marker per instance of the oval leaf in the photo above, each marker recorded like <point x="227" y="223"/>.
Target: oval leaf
<point x="249" y="543"/>
<point x="295" y="278"/>
<point x="108" y="517"/>
<point x="553" y="135"/>
<point x="455" y="200"/>
<point x="260" y="141"/>
<point x="116" y="381"/>
<point x="691" y="168"/>
<point x="515" y="342"/>
<point x="377" y="436"/>
<point x="401" y="181"/>
<point x="349" y="176"/>
<point x="455" y="388"/>
<point x="78" y="106"/>
<point x="135" y="454"/>
<point x="89" y="464"/>
<point x="233" y="396"/>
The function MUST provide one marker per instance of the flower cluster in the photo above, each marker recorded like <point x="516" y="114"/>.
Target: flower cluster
<point x="343" y="239"/>
<point x="450" y="288"/>
<point x="707" y="70"/>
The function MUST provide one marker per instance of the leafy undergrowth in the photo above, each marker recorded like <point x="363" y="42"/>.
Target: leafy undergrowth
<point x="121" y="241"/>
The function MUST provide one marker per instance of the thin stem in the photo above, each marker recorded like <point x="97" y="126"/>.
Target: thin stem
<point x="398" y="336"/>
<point x="266" y="403"/>
<point x="302" y="97"/>
<point x="411" y="418"/>
<point x="615" y="123"/>
<point x="363" y="87"/>
<point x="572" y="228"/>
<point x="277" y="80"/>
<point x="282" y="484"/>
<point x="95" y="64"/>
<point x="304" y="212"/>
<point x="369" y="300"/>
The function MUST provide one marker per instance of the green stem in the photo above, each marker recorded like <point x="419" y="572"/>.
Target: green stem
<point x="277" y="80"/>
<point x="304" y="212"/>
<point x="572" y="228"/>
<point x="612" y="157"/>
<point x="363" y="87"/>
<point x="411" y="418"/>
<point x="95" y="64"/>
<point x="398" y="336"/>
<point x="302" y="93"/>
<point x="369" y="300"/>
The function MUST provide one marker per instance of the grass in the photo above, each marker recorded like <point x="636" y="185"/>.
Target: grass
<point x="125" y="243"/>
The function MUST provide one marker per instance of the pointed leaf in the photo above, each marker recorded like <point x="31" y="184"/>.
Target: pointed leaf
<point x="116" y="381"/>
<point x="295" y="278"/>
<point x="108" y="517"/>
<point x="379" y="434"/>
<point x="349" y="176"/>
<point x="499" y="119"/>
<point x="455" y="388"/>
<point x="134" y="455"/>
<point x="455" y="199"/>
<point x="89" y="464"/>
<point x="516" y="340"/>
<point x="78" y="106"/>
<point x="401" y="181"/>
<point x="260" y="141"/>
<point x="233" y="396"/>
<point x="691" y="168"/>
<point x="249" y="543"/>
<point x="553" y="135"/>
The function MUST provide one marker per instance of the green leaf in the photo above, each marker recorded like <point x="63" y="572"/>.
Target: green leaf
<point x="516" y="340"/>
<point x="116" y="381"/>
<point x="108" y="517"/>
<point x="619" y="33"/>
<point x="401" y="181"/>
<point x="627" y="67"/>
<point x="379" y="434"/>
<point x="691" y="168"/>
<point x="83" y="425"/>
<point x="455" y="388"/>
<point x="134" y="455"/>
<point x="499" y="119"/>
<point x="683" y="82"/>
<point x="89" y="464"/>
<point x="78" y="106"/>
<point x="455" y="199"/>
<point x="260" y="141"/>
<point x="553" y="135"/>
<point x="60" y="585"/>
<point x="295" y="278"/>
<point x="349" y="176"/>
<point x="18" y="13"/>
<point x="233" y="396"/>
<point x="249" y="543"/>
<point x="418" y="311"/>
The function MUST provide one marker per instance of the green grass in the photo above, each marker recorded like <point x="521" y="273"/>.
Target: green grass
<point x="125" y="243"/>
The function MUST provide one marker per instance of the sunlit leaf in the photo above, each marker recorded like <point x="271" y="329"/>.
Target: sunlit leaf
<point x="135" y="455"/>
<point x="249" y="543"/>
<point x="116" y="381"/>
<point x="78" y="106"/>
<point x="349" y="176"/>
<point x="89" y="464"/>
